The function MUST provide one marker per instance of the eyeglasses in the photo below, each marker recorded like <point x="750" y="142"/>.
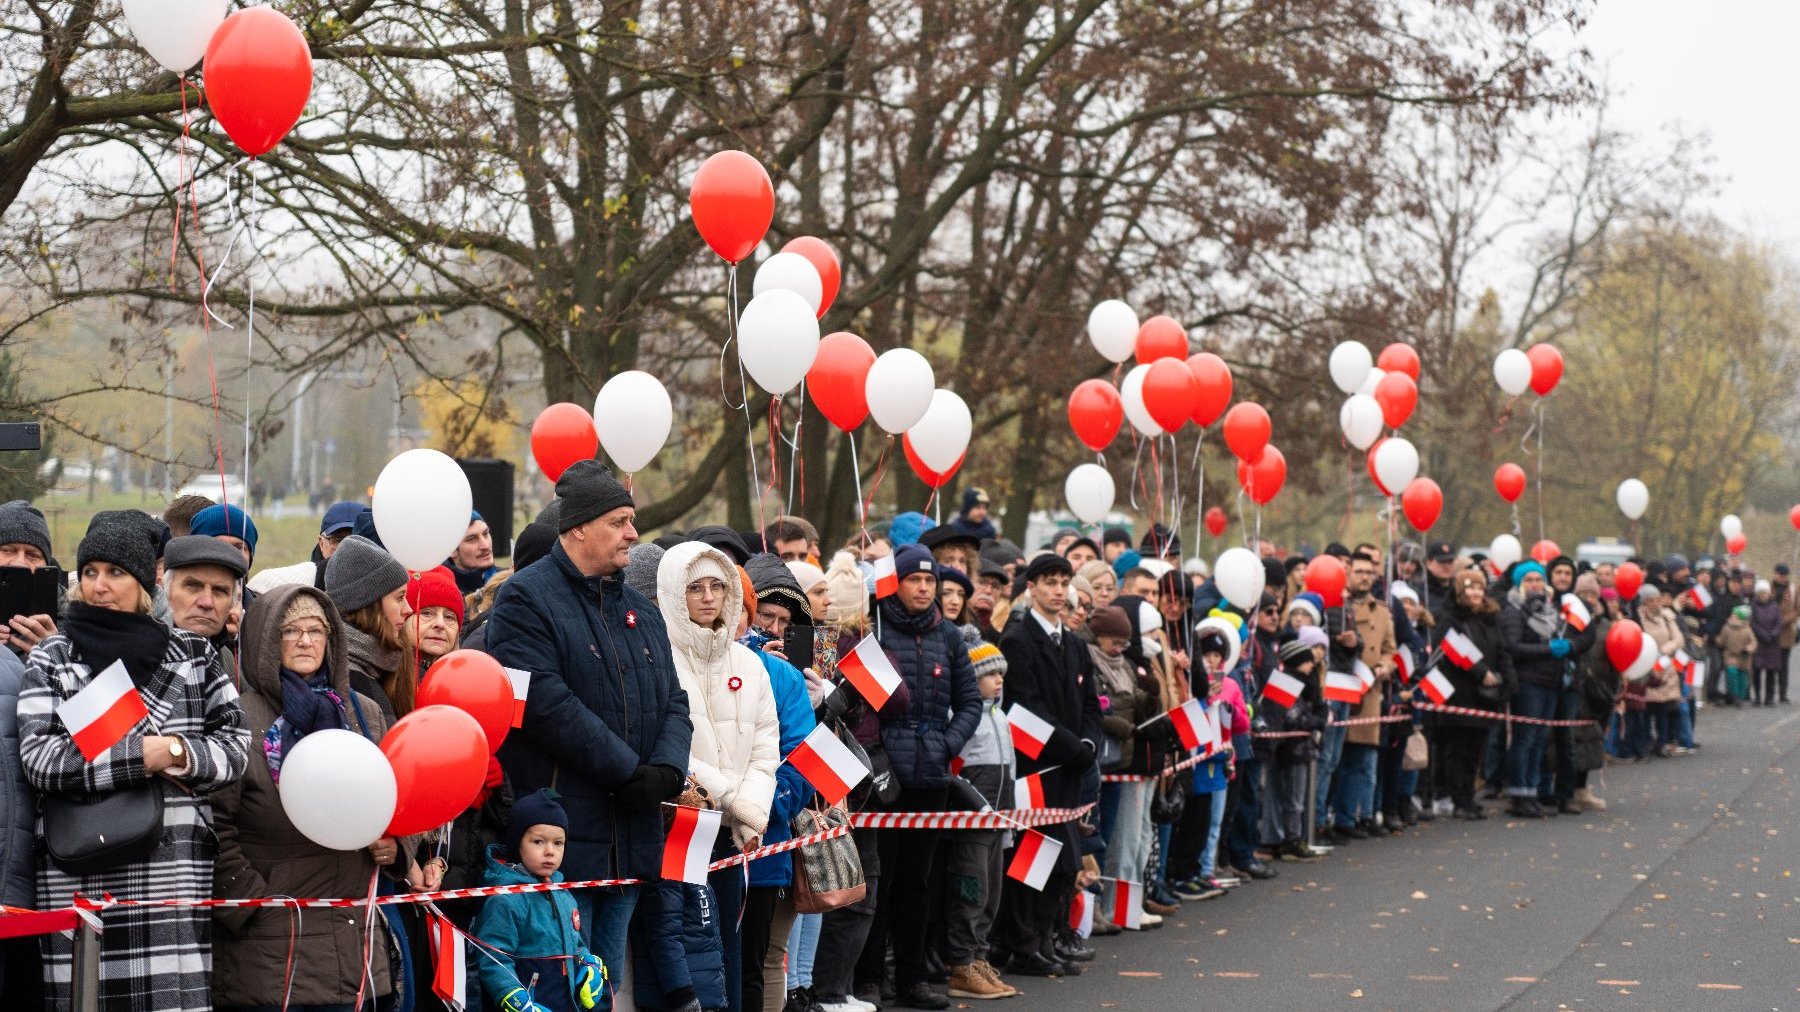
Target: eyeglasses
<point x="705" y="588"/>
<point x="295" y="634"/>
<point x="1271" y="611"/>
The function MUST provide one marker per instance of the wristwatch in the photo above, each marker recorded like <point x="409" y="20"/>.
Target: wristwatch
<point x="176" y="749"/>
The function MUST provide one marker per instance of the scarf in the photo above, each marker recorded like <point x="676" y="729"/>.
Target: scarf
<point x="912" y="623"/>
<point x="1538" y="613"/>
<point x="307" y="705"/>
<point x="102" y="636"/>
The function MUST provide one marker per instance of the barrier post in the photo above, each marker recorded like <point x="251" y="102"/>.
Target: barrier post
<point x="85" y="980"/>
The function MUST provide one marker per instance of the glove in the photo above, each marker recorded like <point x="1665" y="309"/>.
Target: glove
<point x="590" y="981"/>
<point x="1560" y="647"/>
<point x="519" y="1000"/>
<point x="648" y="787"/>
<point x="1086" y="758"/>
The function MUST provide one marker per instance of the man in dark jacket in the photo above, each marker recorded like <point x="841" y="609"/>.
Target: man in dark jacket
<point x="606" y="722"/>
<point x="973" y="519"/>
<point x="25" y="544"/>
<point x="936" y="680"/>
<point x="1048" y="672"/>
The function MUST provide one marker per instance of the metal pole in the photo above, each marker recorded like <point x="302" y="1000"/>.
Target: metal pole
<point x="1312" y="796"/>
<point x="85" y="980"/>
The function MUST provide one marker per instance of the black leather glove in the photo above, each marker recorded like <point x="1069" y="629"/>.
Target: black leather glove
<point x="648" y="787"/>
<point x="1086" y="759"/>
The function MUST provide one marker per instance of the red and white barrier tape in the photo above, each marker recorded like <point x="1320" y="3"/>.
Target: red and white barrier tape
<point x="1511" y="718"/>
<point x="1008" y="819"/>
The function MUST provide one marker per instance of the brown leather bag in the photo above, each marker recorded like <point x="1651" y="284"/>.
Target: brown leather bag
<point x="828" y="874"/>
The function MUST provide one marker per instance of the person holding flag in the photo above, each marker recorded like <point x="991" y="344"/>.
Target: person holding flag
<point x="1292" y="707"/>
<point x="1479" y="684"/>
<point x="115" y="701"/>
<point x="1532" y="631"/>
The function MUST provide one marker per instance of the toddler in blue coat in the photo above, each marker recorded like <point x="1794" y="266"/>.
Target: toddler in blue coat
<point x="535" y="960"/>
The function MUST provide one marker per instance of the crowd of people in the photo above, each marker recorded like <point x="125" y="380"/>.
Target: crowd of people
<point x="684" y="670"/>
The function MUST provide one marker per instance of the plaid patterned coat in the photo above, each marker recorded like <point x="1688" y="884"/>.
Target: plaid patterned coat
<point x="150" y="959"/>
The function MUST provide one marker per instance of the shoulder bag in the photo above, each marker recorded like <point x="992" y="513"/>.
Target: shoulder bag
<point x="828" y="874"/>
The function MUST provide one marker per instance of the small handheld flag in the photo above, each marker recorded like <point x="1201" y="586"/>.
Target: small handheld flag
<point x="1030" y="732"/>
<point x="827" y="764"/>
<point x="1461" y="650"/>
<point x="1283" y="689"/>
<point x="868" y="668"/>
<point x="1437" y="686"/>
<point x="1081" y="913"/>
<point x="887" y="580"/>
<point x="688" y="849"/>
<point x="1700" y="597"/>
<point x="1575" y="612"/>
<point x="450" y="975"/>
<point x="103" y="711"/>
<point x="1404" y="665"/>
<point x="1034" y="859"/>
<point x="1343" y="688"/>
<point x="1696" y="675"/>
<point x="1364" y="675"/>
<point x="1128" y="904"/>
<point x="1028" y="790"/>
<point x="1190" y="723"/>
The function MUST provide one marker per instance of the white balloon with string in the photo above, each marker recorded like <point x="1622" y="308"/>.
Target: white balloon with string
<point x="1730" y="526"/>
<point x="174" y="32"/>
<point x="1504" y="551"/>
<point x="1112" y="327"/>
<point x="1371" y="381"/>
<point x="1512" y="370"/>
<point x="1349" y="366"/>
<point x="942" y="436"/>
<point x="1131" y="392"/>
<point x="634" y="415"/>
<point x="1090" y="492"/>
<point x="1238" y="573"/>
<point x="1646" y="661"/>
<point x="790" y="272"/>
<point x="1633" y="498"/>
<point x="778" y="337"/>
<point x="1396" y="465"/>
<point x="899" y="389"/>
<point x="1361" y="420"/>
<point x="421" y="504"/>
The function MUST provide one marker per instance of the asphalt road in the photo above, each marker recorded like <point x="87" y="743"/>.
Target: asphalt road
<point x="1682" y="895"/>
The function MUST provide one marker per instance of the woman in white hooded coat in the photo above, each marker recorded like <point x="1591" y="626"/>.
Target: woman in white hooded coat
<point x="737" y="735"/>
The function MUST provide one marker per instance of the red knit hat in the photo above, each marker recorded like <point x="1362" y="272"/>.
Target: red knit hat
<point x="435" y="588"/>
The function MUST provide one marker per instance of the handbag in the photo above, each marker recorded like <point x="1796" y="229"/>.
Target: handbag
<point x="86" y="835"/>
<point x="1169" y="799"/>
<point x="828" y="874"/>
<point x="1418" y="752"/>
<point x="1112" y="756"/>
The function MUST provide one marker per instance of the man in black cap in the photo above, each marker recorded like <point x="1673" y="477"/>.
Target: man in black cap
<point x="606" y="721"/>
<point x="1114" y="542"/>
<point x="950" y="546"/>
<point x="200" y="578"/>
<point x="1440" y="567"/>
<point x="973" y="520"/>
<point x="25" y="543"/>
<point x="1159" y="542"/>
<point x="1048" y="672"/>
<point x="991" y="586"/>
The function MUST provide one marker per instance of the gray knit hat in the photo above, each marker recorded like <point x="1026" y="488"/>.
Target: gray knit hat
<point x="23" y="524"/>
<point x="640" y="572"/>
<point x="588" y="490"/>
<point x="125" y="539"/>
<point x="360" y="573"/>
<point x="202" y="550"/>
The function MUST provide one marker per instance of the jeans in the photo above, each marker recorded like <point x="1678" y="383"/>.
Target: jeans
<point x="1354" y="797"/>
<point x="1672" y="724"/>
<point x="1209" y="854"/>
<point x="1330" y="751"/>
<point x="803" y="942"/>
<point x="1128" y="835"/>
<point x="605" y="919"/>
<point x="1165" y="838"/>
<point x="1558" y="782"/>
<point x="1525" y="757"/>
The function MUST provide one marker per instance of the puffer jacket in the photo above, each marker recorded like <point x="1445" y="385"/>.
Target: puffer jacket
<point x="18" y="806"/>
<point x="539" y="933"/>
<point x="1664" y="628"/>
<point x="675" y="948"/>
<point x="943" y="702"/>
<point x="793" y="708"/>
<point x="1530" y="653"/>
<point x="736" y="746"/>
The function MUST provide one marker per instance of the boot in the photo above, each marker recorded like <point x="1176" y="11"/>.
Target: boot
<point x="1589" y="800"/>
<point x="986" y="969"/>
<point x="1522" y="807"/>
<point x="966" y="981"/>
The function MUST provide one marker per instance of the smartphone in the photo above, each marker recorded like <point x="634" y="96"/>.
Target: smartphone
<point x="28" y="592"/>
<point x="797" y="644"/>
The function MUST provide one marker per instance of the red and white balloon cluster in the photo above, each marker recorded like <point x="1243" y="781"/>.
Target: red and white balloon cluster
<point x="1382" y="395"/>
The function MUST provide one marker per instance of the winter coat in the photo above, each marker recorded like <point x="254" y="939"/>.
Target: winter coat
<point x="1309" y="713"/>
<point x="943" y="701"/>
<point x="792" y="790"/>
<point x="152" y="958"/>
<point x="736" y="745"/>
<point x="1765" y="621"/>
<point x="536" y="934"/>
<point x="1120" y="682"/>
<point x="1737" y="641"/>
<point x="371" y="664"/>
<point x="604" y="700"/>
<point x="1055" y="683"/>
<point x="262" y="854"/>
<point x="1790" y="613"/>
<point x="18" y="876"/>
<point x="1529" y="651"/>
<point x="1375" y="628"/>
<point x="675" y="947"/>
<point x="1482" y="629"/>
<point x="1664" y="628"/>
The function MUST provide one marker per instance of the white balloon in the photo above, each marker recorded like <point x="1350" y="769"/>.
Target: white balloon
<point x="1239" y="576"/>
<point x="1396" y="464"/>
<point x="942" y="436"/>
<point x="899" y="389"/>
<point x="1730" y="526"/>
<point x="1131" y="391"/>
<point x="1646" y="660"/>
<point x="778" y="337"/>
<point x="1233" y="639"/>
<point x="634" y="415"/>
<point x="790" y="272"/>
<point x="338" y="789"/>
<point x="421" y="503"/>
<point x="1090" y="491"/>
<point x="1361" y="420"/>
<point x="1350" y="363"/>
<point x="1113" y="329"/>
<point x="175" y="32"/>
<point x="1505" y="551"/>
<point x="1633" y="498"/>
<point x="1512" y="370"/>
<point x="1371" y="381"/>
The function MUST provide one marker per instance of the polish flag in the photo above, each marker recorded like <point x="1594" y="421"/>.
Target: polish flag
<point x="1663" y="663"/>
<point x="1128" y="904"/>
<point x="869" y="669"/>
<point x="1364" y="675"/>
<point x="1461" y="650"/>
<point x="1030" y="732"/>
<point x="1696" y="675"/>
<point x="1081" y="913"/>
<point x="521" y="687"/>
<point x="1343" y="688"/>
<point x="1576" y="613"/>
<point x="1283" y="689"/>
<point x="1191" y="724"/>
<point x="887" y="579"/>
<point x="103" y="712"/>
<point x="450" y="975"/>
<point x="1682" y="660"/>
<point x="1028" y="790"/>
<point x="1437" y="686"/>
<point x="1404" y="664"/>
<point x="1700" y="596"/>
<point x="827" y="764"/>
<point x="688" y="849"/>
<point x="1034" y="859"/>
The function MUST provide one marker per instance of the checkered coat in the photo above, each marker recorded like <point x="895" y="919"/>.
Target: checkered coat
<point x="151" y="959"/>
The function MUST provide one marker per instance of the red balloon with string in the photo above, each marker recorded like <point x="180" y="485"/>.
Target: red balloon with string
<point x="475" y="683"/>
<point x="1325" y="576"/>
<point x="1095" y="413"/>
<point x="1737" y="543"/>
<point x="824" y="260"/>
<point x="1169" y="391"/>
<point x="1546" y="368"/>
<point x="1626" y="580"/>
<point x="1509" y="481"/>
<point x="1794" y="517"/>
<point x="259" y="76"/>
<point x="562" y="435"/>
<point x="1399" y="357"/>
<point x="1262" y="478"/>
<point x="732" y="201"/>
<point x="1247" y="429"/>
<point x="1624" y="641"/>
<point x="1544" y="551"/>
<point x="932" y="479"/>
<point x="1216" y="521"/>
<point x="1422" y="502"/>
<point x="1398" y="395"/>
<point x="838" y="378"/>
<point x="440" y="758"/>
<point x="1212" y="391"/>
<point x="1161" y="337"/>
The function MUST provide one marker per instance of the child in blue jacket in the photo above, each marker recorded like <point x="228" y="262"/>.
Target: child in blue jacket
<point x="535" y="960"/>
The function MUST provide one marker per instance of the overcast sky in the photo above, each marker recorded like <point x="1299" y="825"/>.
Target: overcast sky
<point x="1725" y="68"/>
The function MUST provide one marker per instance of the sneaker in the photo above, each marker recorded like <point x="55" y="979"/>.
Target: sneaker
<point x="1149" y="920"/>
<point x="1258" y="870"/>
<point x="1156" y="909"/>
<point x="1298" y="852"/>
<point x="1190" y="889"/>
<point x="799" y="999"/>
<point x="843" y="1006"/>
<point x="1679" y="750"/>
<point x="967" y="981"/>
<point x="1443" y="806"/>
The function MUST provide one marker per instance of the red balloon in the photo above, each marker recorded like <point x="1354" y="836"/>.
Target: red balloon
<point x="1325" y="577"/>
<point x="476" y="684"/>
<point x="1263" y="478"/>
<point x="1095" y="413"/>
<point x="1626" y="580"/>
<point x="1546" y="367"/>
<point x="1624" y="642"/>
<point x="1422" y="501"/>
<point x="440" y="758"/>
<point x="825" y="261"/>
<point x="1544" y="551"/>
<point x="1212" y="391"/>
<point x="732" y="201"/>
<point x="1794" y="517"/>
<point x="1736" y="544"/>
<point x="1398" y="357"/>
<point x="1215" y="521"/>
<point x="563" y="434"/>
<point x="1509" y="481"/>
<point x="932" y="479"/>
<point x="838" y="377"/>
<point x="1247" y="429"/>
<point x="258" y="77"/>
<point x="1161" y="337"/>
<point x="1169" y="390"/>
<point x="1398" y="395"/>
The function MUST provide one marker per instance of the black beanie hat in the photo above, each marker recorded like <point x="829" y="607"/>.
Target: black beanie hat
<point x="532" y="544"/>
<point x="23" y="524"/>
<point x="125" y="538"/>
<point x="539" y="808"/>
<point x="588" y="490"/>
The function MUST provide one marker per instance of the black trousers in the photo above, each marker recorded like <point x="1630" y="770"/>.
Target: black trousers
<point x="759" y="913"/>
<point x="1460" y="751"/>
<point x="1029" y="917"/>
<point x="844" y="932"/>
<point x="907" y="858"/>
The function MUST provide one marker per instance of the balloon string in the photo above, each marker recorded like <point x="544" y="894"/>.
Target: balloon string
<point x="730" y="337"/>
<point x="252" y="221"/>
<point x="1137" y="476"/>
<point x="1537" y="464"/>
<point x="1505" y="414"/>
<point x="1349" y="490"/>
<point x="880" y="471"/>
<point x="182" y="182"/>
<point x="937" y="515"/>
<point x="731" y="294"/>
<point x="231" y="201"/>
<point x="795" y="462"/>
<point x="1156" y="504"/>
<point x="1199" y="490"/>
<point x="862" y="511"/>
<point x="1515" y="520"/>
